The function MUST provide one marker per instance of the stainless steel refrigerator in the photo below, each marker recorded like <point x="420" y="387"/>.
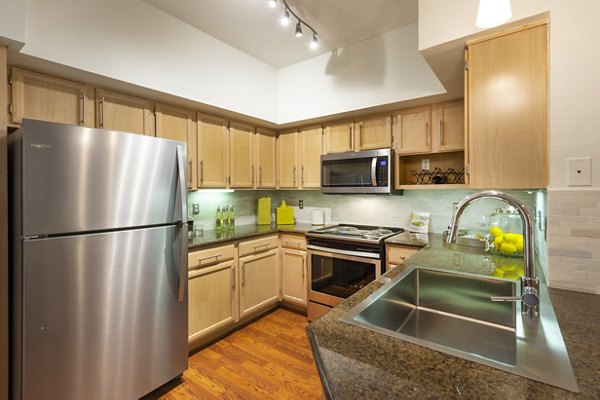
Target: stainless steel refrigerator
<point x="98" y="262"/>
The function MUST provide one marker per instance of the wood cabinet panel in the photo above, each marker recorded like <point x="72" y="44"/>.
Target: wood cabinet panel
<point x="213" y="152"/>
<point x="287" y="155"/>
<point x="215" y="255"/>
<point x="47" y="98"/>
<point x="179" y="124"/>
<point x="255" y="246"/>
<point x="311" y="149"/>
<point x="259" y="282"/>
<point x="212" y="299"/>
<point x="508" y="110"/>
<point x="374" y="132"/>
<point x="398" y="255"/>
<point x="448" y="126"/>
<point x="294" y="287"/>
<point x="121" y="112"/>
<point x="412" y="130"/>
<point x="266" y="161"/>
<point x="339" y="137"/>
<point x="297" y="242"/>
<point x="241" y="155"/>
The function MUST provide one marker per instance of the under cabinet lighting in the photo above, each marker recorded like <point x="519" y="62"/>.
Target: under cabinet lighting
<point x="493" y="13"/>
<point x="285" y="20"/>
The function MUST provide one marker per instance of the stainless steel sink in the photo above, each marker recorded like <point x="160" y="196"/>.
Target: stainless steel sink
<point x="452" y="312"/>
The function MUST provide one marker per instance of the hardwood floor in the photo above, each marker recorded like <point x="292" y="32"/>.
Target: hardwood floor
<point x="268" y="359"/>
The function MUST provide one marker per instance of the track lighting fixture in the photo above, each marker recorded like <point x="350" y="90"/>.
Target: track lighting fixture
<point x="285" y="20"/>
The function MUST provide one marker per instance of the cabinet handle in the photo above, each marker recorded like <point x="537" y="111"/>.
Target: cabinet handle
<point x="260" y="175"/>
<point x="291" y="244"/>
<point x="294" y="176"/>
<point x="82" y="109"/>
<point x="253" y="175"/>
<point x="101" y="112"/>
<point x="302" y="181"/>
<point x="190" y="171"/>
<point x="243" y="274"/>
<point x="202" y="171"/>
<point x="441" y="131"/>
<point x="350" y="135"/>
<point x="208" y="258"/>
<point x="303" y="267"/>
<point x="233" y="277"/>
<point x="426" y="134"/>
<point x="266" y="246"/>
<point x="360" y="134"/>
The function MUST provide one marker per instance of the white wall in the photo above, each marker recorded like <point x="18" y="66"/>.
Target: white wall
<point x="574" y="69"/>
<point x="134" y="42"/>
<point x="380" y="70"/>
<point x="12" y="22"/>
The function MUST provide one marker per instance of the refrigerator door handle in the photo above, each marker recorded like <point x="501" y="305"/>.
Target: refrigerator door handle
<point x="182" y="183"/>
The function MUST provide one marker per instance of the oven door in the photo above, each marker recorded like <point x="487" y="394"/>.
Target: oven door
<point x="335" y="275"/>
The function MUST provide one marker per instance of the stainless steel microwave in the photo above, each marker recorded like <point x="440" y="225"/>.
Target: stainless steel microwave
<point x="358" y="172"/>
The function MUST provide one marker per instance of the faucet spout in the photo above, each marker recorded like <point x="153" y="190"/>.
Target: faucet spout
<point x="529" y="281"/>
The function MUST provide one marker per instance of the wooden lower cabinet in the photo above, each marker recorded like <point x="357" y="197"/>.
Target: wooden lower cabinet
<point x="212" y="298"/>
<point x="294" y="277"/>
<point x="259" y="277"/>
<point x="398" y="254"/>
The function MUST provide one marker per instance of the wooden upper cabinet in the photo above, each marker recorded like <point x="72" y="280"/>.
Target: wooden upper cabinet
<point x="412" y="130"/>
<point x="507" y="97"/>
<point x="179" y="124"/>
<point x="213" y="152"/>
<point x="241" y="155"/>
<point x="311" y="149"/>
<point x="287" y="156"/>
<point x="373" y="132"/>
<point x="121" y="112"/>
<point x="47" y="98"/>
<point x="339" y="137"/>
<point x="266" y="161"/>
<point x="448" y="127"/>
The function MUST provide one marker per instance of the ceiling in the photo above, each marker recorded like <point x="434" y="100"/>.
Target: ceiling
<point x="254" y="28"/>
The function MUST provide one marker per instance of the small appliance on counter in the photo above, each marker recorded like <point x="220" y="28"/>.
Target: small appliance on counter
<point x="285" y="214"/>
<point x="317" y="217"/>
<point x="263" y="211"/>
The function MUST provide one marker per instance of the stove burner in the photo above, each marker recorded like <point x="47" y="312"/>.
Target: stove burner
<point x="346" y="228"/>
<point x="372" y="234"/>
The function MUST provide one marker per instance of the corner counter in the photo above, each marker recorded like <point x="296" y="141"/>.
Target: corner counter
<point x="357" y="363"/>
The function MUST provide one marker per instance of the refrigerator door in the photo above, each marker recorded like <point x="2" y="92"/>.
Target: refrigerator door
<point x="77" y="179"/>
<point x="101" y="317"/>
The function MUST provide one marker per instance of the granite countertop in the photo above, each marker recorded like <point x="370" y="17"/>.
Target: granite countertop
<point x="211" y="237"/>
<point x="357" y="363"/>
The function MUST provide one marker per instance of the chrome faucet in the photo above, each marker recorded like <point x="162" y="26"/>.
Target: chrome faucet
<point x="529" y="282"/>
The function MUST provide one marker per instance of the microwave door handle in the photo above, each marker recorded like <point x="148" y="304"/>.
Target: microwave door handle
<point x="374" y="172"/>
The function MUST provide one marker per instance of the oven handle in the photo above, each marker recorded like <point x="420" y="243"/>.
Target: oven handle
<point x="344" y="252"/>
<point x="374" y="172"/>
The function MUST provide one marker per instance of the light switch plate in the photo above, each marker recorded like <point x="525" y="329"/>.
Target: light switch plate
<point x="195" y="208"/>
<point x="425" y="164"/>
<point x="579" y="171"/>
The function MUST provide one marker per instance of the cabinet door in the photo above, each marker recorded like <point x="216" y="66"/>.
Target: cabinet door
<point x="213" y="152"/>
<point x="258" y="282"/>
<point x="266" y="161"/>
<point x="339" y="137"/>
<point x="411" y="131"/>
<point x="121" y="112"/>
<point x="287" y="154"/>
<point x="212" y="295"/>
<point x="449" y="122"/>
<point x="179" y="124"/>
<point x="241" y="160"/>
<point x="311" y="149"/>
<point x="398" y="255"/>
<point x="43" y="97"/>
<point x="373" y="133"/>
<point x="508" y="110"/>
<point x="293" y="276"/>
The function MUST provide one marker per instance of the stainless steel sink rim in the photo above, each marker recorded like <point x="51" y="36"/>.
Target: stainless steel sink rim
<point x="541" y="354"/>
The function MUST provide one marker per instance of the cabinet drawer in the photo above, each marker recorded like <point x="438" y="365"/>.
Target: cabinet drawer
<point x="258" y="245"/>
<point x="293" y="242"/>
<point x="399" y="254"/>
<point x="215" y="255"/>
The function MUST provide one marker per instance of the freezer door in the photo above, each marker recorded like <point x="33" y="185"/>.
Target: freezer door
<point x="77" y="179"/>
<point x="101" y="317"/>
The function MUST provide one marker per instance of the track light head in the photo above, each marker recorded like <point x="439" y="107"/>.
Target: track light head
<point x="285" y="20"/>
<point x="298" y="30"/>
<point x="272" y="3"/>
<point x="314" y="44"/>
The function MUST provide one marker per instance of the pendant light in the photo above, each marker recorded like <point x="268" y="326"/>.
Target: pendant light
<point x="493" y="13"/>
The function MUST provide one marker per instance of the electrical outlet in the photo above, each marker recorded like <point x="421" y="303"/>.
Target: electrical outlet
<point x="301" y="204"/>
<point x="425" y="164"/>
<point x="195" y="208"/>
<point x="579" y="171"/>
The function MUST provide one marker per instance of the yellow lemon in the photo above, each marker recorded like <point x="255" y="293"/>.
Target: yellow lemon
<point x="498" y="273"/>
<point x="512" y="237"/>
<point x="498" y="241"/>
<point x="496" y="231"/>
<point x="519" y="243"/>
<point x="512" y="275"/>
<point x="507" y="248"/>
<point x="508" y="267"/>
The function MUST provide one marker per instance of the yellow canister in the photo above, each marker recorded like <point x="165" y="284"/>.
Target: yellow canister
<point x="263" y="211"/>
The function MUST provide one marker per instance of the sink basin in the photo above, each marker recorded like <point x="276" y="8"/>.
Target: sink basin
<point x="452" y="312"/>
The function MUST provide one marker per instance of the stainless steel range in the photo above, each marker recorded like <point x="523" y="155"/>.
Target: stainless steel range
<point x="341" y="260"/>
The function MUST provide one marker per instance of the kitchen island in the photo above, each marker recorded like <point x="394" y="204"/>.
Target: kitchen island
<point x="355" y="363"/>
